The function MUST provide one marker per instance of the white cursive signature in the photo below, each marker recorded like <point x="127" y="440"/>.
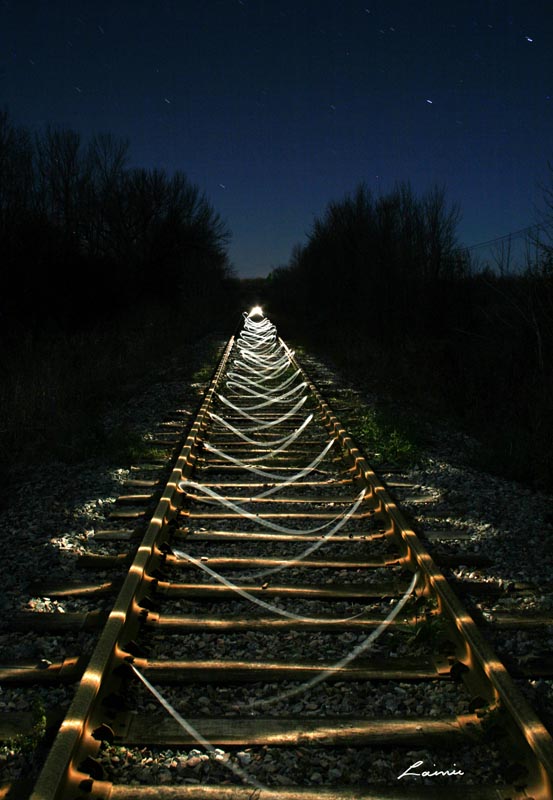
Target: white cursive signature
<point x="427" y="774"/>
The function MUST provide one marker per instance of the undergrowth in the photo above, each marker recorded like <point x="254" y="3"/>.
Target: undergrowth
<point x="388" y="436"/>
<point x="385" y="439"/>
<point x="26" y="743"/>
<point x="58" y="387"/>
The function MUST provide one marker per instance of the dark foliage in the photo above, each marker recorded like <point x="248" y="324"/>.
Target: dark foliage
<point x="83" y="236"/>
<point x="106" y="273"/>
<point x="382" y="284"/>
<point x="385" y="255"/>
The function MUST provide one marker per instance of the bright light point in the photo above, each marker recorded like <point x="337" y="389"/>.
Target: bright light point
<point x="430" y="101"/>
<point x="256" y="311"/>
<point x="528" y="39"/>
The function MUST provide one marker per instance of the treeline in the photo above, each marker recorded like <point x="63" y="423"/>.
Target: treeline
<point x="375" y="262"/>
<point x="108" y="273"/>
<point x="84" y="236"/>
<point x="382" y="283"/>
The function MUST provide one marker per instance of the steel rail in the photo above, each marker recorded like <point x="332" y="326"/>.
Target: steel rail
<point x="75" y="742"/>
<point x="69" y="772"/>
<point x="484" y="672"/>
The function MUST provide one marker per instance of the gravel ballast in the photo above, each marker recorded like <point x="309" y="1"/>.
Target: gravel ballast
<point x="54" y="514"/>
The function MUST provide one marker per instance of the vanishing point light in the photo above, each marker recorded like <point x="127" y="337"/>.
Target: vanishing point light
<point x="256" y="311"/>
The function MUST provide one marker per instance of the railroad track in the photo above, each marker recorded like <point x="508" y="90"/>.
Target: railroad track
<point x="277" y="595"/>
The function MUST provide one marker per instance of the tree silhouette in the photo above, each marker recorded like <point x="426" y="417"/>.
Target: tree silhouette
<point x="73" y="213"/>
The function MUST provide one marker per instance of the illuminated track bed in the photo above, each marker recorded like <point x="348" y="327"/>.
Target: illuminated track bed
<point x="227" y="546"/>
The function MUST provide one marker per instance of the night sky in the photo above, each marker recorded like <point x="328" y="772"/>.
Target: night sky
<point x="276" y="108"/>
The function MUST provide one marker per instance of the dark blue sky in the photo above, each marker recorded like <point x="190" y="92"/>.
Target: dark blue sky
<point x="276" y="108"/>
